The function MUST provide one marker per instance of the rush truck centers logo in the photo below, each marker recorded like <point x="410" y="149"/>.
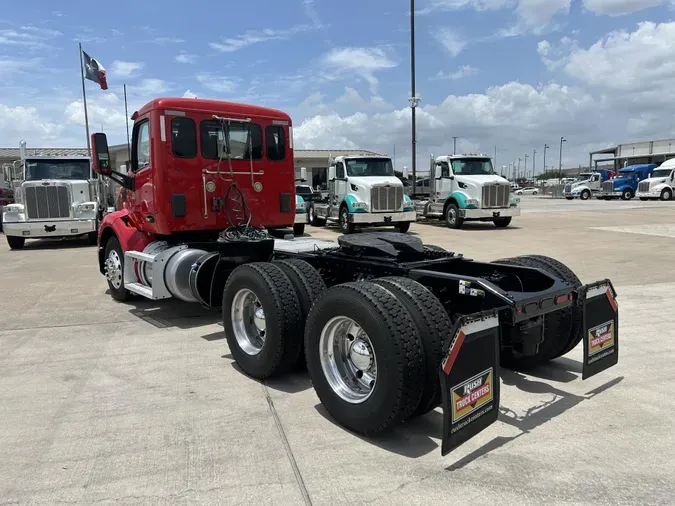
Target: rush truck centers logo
<point x="600" y="338"/>
<point x="470" y="395"/>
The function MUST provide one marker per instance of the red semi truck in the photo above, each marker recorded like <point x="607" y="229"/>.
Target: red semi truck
<point x="389" y="328"/>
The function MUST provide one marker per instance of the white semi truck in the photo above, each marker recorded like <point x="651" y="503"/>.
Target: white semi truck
<point x="55" y="196"/>
<point x="660" y="184"/>
<point x="363" y="191"/>
<point x="466" y="188"/>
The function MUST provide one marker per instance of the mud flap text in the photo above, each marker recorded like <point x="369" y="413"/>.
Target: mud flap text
<point x="469" y="376"/>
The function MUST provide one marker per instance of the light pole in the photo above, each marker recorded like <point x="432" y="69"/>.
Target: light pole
<point x="414" y="100"/>
<point x="454" y="145"/>
<point x="495" y="160"/>
<point x="562" y="139"/>
<point x="546" y="146"/>
<point x="518" y="172"/>
<point x="525" y="175"/>
<point x="534" y="162"/>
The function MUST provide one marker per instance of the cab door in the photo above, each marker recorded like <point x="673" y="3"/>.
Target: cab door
<point x="341" y="183"/>
<point x="142" y="199"/>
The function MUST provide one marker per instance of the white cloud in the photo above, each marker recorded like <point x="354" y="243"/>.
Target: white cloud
<point x="450" y="40"/>
<point x="29" y="37"/>
<point x="360" y="61"/>
<point x="116" y="33"/>
<point x="17" y="123"/>
<point x="219" y="84"/>
<point x="251" y="37"/>
<point x="123" y="69"/>
<point x="184" y="57"/>
<point x="460" y="73"/>
<point x="619" y="7"/>
<point x="189" y="94"/>
<point x="9" y="66"/>
<point x="162" y="41"/>
<point x="556" y="56"/>
<point x="150" y="87"/>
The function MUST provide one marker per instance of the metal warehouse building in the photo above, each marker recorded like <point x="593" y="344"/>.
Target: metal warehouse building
<point x="634" y="153"/>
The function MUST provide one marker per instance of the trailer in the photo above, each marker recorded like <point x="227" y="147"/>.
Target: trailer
<point x="387" y="327"/>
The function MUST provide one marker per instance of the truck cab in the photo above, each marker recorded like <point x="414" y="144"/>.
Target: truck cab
<point x="625" y="184"/>
<point x="586" y="185"/>
<point x="466" y="188"/>
<point x="55" y="196"/>
<point x="363" y="191"/>
<point x="660" y="184"/>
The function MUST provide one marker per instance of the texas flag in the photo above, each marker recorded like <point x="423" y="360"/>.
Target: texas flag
<point x="94" y="71"/>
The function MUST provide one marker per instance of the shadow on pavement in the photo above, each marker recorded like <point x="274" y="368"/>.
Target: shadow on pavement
<point x="171" y="313"/>
<point x="291" y="382"/>
<point x="48" y="244"/>
<point x="535" y="416"/>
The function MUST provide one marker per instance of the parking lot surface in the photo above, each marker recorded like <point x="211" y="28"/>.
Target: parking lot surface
<point x="141" y="403"/>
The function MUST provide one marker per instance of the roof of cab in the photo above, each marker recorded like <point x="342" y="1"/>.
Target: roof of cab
<point x="640" y="166"/>
<point x="213" y="106"/>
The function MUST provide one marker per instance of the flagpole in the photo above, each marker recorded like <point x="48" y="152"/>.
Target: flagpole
<point x="84" y="99"/>
<point x="126" y="116"/>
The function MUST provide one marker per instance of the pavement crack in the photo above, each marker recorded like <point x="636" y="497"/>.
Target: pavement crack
<point x="287" y="447"/>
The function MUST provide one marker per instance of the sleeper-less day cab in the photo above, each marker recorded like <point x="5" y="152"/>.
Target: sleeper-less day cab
<point x="660" y="184"/>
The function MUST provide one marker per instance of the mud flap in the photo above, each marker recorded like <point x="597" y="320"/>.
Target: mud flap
<point x="469" y="376"/>
<point x="601" y="327"/>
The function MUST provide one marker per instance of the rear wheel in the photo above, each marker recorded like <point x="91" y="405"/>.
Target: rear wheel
<point x="262" y="319"/>
<point x="666" y="194"/>
<point x="298" y="229"/>
<point x="114" y="269"/>
<point x="15" y="242"/>
<point x="432" y="324"/>
<point x="585" y="195"/>
<point x="627" y="194"/>
<point x="364" y="357"/>
<point x="562" y="328"/>
<point x="308" y="286"/>
<point x="92" y="238"/>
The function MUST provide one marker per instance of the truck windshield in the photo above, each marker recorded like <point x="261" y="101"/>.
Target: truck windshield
<point x="56" y="169"/>
<point x="626" y="175"/>
<point x="661" y="173"/>
<point x="472" y="167"/>
<point x="370" y="167"/>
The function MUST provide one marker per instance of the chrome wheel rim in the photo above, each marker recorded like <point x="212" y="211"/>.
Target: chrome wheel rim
<point x="348" y="360"/>
<point x="343" y="220"/>
<point x="311" y="215"/>
<point x="452" y="216"/>
<point x="248" y="321"/>
<point x="113" y="269"/>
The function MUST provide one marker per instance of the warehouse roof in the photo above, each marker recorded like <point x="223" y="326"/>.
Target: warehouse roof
<point x="13" y="153"/>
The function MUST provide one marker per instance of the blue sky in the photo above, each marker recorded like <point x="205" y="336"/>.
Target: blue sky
<point x="512" y="73"/>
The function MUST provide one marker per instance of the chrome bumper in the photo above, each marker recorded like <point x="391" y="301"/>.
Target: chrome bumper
<point x="489" y="214"/>
<point x="382" y="217"/>
<point x="41" y="229"/>
<point x="301" y="218"/>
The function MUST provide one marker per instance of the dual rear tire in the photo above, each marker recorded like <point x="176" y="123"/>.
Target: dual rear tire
<point x="372" y="349"/>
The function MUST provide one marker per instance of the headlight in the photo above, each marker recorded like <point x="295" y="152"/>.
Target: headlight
<point x="14" y="208"/>
<point x="301" y="205"/>
<point x="472" y="202"/>
<point x="360" y="205"/>
<point x="86" y="208"/>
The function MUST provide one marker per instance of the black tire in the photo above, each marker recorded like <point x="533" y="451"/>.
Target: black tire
<point x="15" y="242"/>
<point x="345" y="226"/>
<point x="92" y="238"/>
<point x="569" y="198"/>
<point x="627" y="194"/>
<point x="585" y="195"/>
<point x="644" y="199"/>
<point x="119" y="293"/>
<point x="403" y="227"/>
<point x="666" y="194"/>
<point x="283" y="324"/>
<point x="502" y="222"/>
<point x="451" y="215"/>
<point x="308" y="284"/>
<point x="298" y="229"/>
<point x="398" y="351"/>
<point x="314" y="220"/>
<point x="558" y="325"/>
<point x="432" y="324"/>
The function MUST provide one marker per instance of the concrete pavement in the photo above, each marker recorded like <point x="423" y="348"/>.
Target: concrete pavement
<point x="141" y="403"/>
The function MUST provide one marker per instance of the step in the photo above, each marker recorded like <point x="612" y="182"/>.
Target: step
<point x="137" y="255"/>
<point x="140" y="289"/>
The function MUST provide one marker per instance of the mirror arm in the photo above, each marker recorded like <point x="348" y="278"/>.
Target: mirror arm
<point x="123" y="180"/>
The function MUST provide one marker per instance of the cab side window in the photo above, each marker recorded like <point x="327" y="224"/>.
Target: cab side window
<point x="445" y="169"/>
<point x="276" y="142"/>
<point x="141" y="149"/>
<point x="340" y="171"/>
<point x="183" y="137"/>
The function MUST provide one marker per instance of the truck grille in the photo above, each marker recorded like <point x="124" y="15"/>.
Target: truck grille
<point x="607" y="186"/>
<point x="496" y="195"/>
<point x="568" y="188"/>
<point x="386" y="198"/>
<point x="643" y="186"/>
<point x="44" y="202"/>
